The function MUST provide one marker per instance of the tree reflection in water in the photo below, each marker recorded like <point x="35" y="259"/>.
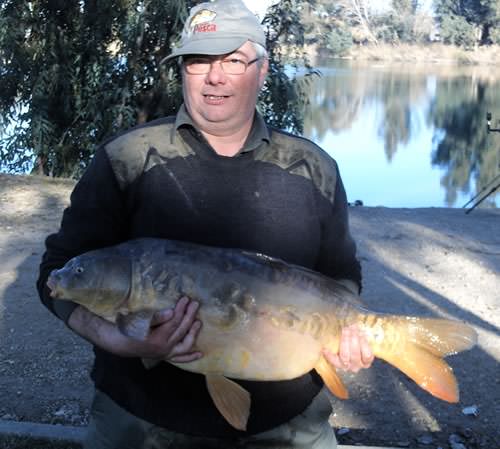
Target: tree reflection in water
<point x="455" y="100"/>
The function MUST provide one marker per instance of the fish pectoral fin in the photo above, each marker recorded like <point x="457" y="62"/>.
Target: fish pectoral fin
<point x="136" y="324"/>
<point x="331" y="378"/>
<point x="231" y="399"/>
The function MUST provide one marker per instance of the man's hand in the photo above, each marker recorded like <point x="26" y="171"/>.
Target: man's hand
<point x="172" y="336"/>
<point x="354" y="351"/>
<point x="174" y="331"/>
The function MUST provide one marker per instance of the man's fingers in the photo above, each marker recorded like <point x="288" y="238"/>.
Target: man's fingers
<point x="355" y="351"/>
<point x="333" y="359"/>
<point x="180" y="309"/>
<point x="187" y="343"/>
<point x="186" y="323"/>
<point x="185" y="358"/>
<point x="174" y="331"/>
<point x="161" y="317"/>
<point x="176" y="313"/>
<point x="344" y="348"/>
<point x="367" y="356"/>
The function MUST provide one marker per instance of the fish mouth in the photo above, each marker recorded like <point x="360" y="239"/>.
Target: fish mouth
<point x="52" y="284"/>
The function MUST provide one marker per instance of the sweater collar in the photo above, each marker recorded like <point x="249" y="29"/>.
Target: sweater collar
<point x="258" y="133"/>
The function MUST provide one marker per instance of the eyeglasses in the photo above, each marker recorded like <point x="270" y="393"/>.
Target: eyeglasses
<point x="230" y="66"/>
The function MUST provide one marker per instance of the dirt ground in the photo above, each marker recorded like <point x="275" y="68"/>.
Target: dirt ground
<point x="437" y="262"/>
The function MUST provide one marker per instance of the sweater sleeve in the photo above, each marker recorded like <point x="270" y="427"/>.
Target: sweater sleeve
<point x="337" y="257"/>
<point x="94" y="218"/>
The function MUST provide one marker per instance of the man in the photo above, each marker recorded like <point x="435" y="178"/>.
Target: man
<point x="214" y="174"/>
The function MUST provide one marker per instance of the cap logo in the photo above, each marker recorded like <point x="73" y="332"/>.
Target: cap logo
<point x="200" y="23"/>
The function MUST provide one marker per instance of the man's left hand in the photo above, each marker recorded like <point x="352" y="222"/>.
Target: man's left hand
<point x="354" y="351"/>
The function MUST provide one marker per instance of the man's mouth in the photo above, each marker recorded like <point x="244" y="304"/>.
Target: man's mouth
<point x="216" y="97"/>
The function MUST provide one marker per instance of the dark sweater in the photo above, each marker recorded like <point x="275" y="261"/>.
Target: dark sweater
<point x="281" y="196"/>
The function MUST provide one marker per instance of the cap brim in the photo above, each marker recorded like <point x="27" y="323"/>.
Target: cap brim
<point x="207" y="46"/>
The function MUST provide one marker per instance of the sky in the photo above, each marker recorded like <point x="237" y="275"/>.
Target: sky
<point x="259" y="6"/>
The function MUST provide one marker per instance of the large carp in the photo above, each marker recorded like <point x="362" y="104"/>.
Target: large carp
<point x="263" y="319"/>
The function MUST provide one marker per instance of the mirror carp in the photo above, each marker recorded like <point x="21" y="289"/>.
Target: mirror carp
<point x="262" y="318"/>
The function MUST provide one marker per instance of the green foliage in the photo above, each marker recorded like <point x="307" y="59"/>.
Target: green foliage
<point x="75" y="72"/>
<point x="404" y="22"/>
<point x="396" y="28"/>
<point x="469" y="20"/>
<point x="283" y="98"/>
<point x="402" y="19"/>
<point x="495" y="35"/>
<point x="455" y="30"/>
<point x="339" y="41"/>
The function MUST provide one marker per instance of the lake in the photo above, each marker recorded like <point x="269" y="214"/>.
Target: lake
<point x="408" y="135"/>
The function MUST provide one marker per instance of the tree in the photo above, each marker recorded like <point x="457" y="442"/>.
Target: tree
<point x="75" y="72"/>
<point x="402" y="19"/>
<point x="339" y="41"/>
<point x="467" y="17"/>
<point x="325" y="27"/>
<point x="455" y="30"/>
<point x="490" y="21"/>
<point x="358" y="15"/>
<point x="283" y="98"/>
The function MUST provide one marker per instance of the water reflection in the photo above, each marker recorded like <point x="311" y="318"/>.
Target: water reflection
<point x="429" y="122"/>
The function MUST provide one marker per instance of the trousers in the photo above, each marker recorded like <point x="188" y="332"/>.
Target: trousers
<point x="112" y="427"/>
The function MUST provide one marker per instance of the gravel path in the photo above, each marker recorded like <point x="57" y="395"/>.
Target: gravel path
<point x="437" y="262"/>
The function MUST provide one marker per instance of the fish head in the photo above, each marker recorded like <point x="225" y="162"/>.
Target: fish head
<point x="101" y="283"/>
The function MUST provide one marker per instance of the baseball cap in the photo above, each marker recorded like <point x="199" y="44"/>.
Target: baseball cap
<point x="218" y="27"/>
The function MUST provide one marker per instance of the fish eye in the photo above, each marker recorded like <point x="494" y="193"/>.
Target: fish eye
<point x="79" y="270"/>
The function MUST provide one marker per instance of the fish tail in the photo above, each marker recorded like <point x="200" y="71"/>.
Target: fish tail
<point x="417" y="347"/>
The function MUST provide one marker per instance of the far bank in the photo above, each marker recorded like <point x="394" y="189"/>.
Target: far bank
<point x="431" y="53"/>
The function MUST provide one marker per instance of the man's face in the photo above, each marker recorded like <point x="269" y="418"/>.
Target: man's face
<point x="221" y="103"/>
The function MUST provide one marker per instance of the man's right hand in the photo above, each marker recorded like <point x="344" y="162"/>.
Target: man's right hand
<point x="172" y="336"/>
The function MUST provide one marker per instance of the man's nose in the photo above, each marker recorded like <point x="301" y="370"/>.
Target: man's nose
<point x="216" y="75"/>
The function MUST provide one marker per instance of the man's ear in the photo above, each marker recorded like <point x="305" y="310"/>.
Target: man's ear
<point x="263" y="72"/>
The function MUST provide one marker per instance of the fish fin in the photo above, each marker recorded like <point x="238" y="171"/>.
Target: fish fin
<point x="429" y="372"/>
<point x="231" y="399"/>
<point x="136" y="324"/>
<point x="331" y="378"/>
<point x="442" y="337"/>
<point x="422" y="342"/>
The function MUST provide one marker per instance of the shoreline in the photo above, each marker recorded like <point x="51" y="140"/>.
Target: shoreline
<point x="434" y="53"/>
